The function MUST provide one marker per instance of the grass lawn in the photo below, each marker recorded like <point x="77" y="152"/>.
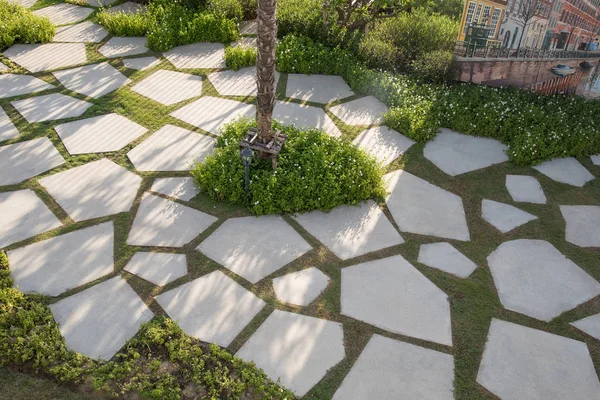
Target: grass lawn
<point x="474" y="301"/>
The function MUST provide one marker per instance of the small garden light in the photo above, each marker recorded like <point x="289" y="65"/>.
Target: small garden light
<point x="247" y="155"/>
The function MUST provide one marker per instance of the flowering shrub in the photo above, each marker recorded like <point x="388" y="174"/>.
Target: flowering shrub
<point x="19" y="25"/>
<point x="535" y="127"/>
<point x="240" y="57"/>
<point x="168" y="24"/>
<point x="231" y="9"/>
<point x="314" y="172"/>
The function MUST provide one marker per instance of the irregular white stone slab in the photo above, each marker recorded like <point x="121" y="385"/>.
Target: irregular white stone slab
<point x="169" y="87"/>
<point x="525" y="189"/>
<point x="141" y="63"/>
<point x="317" y="88"/>
<point x="162" y="222"/>
<point x="24" y="3"/>
<point x="94" y="80"/>
<point x="93" y="190"/>
<point x="455" y="153"/>
<point x="445" y="257"/>
<point x="535" y="279"/>
<point x="171" y="149"/>
<point x="351" y="231"/>
<point x="50" y="107"/>
<point x="383" y="143"/>
<point x="17" y="85"/>
<point x="158" y="268"/>
<point x="98" y="321"/>
<point x="390" y="369"/>
<point x="583" y="225"/>
<point x="302" y="287"/>
<point x="212" y="113"/>
<point x="521" y="363"/>
<point x="213" y="308"/>
<point x="589" y="325"/>
<point x="127" y="8"/>
<point x="23" y="215"/>
<point x="393" y="295"/>
<point x="364" y="111"/>
<point x="100" y="3"/>
<point x="420" y="207"/>
<point x="64" y="13"/>
<point x="8" y="130"/>
<point x="24" y="160"/>
<point x="3" y="67"/>
<point x="237" y="83"/>
<point x="197" y="55"/>
<point x="596" y="159"/>
<point x="246" y="42"/>
<point x="110" y="132"/>
<point x="248" y="27"/>
<point x="254" y="247"/>
<point x="124" y="46"/>
<point x="295" y="348"/>
<point x="179" y="188"/>
<point x="566" y="170"/>
<point x="44" y="57"/>
<point x="504" y="217"/>
<point x="86" y="32"/>
<point x="64" y="262"/>
<point x="304" y="116"/>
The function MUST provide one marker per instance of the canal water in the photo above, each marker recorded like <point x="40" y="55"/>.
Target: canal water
<point x="590" y="84"/>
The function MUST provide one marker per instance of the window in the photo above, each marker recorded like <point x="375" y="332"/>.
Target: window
<point x="494" y="23"/>
<point x="486" y="14"/>
<point x="470" y="12"/>
<point x="478" y="13"/>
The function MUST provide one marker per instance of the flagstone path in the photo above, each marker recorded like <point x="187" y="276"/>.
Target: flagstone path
<point x="65" y="193"/>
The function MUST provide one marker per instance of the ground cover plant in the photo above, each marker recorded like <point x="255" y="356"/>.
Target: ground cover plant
<point x="20" y="25"/>
<point x="535" y="127"/>
<point x="161" y="362"/>
<point x="169" y="24"/>
<point x="314" y="172"/>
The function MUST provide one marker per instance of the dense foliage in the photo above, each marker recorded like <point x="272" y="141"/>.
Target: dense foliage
<point x="169" y="24"/>
<point x="160" y="362"/>
<point x="535" y="127"/>
<point x="314" y="172"/>
<point x="395" y="43"/>
<point x="231" y="9"/>
<point x="240" y="57"/>
<point x="19" y="25"/>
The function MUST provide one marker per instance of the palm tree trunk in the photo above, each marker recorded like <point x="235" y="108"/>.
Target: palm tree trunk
<point x="265" y="67"/>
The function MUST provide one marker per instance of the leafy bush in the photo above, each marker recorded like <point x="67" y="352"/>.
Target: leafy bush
<point x="249" y="7"/>
<point x="231" y="9"/>
<point x="314" y="172"/>
<point x="124" y="24"/>
<point x="305" y="17"/>
<point x="535" y="127"/>
<point x="19" y="25"/>
<point x="240" y="57"/>
<point x="168" y="24"/>
<point x="157" y="363"/>
<point x="395" y="42"/>
<point x="436" y="66"/>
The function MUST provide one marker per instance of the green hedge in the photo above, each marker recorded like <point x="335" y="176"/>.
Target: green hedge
<point x="168" y="24"/>
<point x="535" y="127"/>
<point x="314" y="172"/>
<point x="30" y="339"/>
<point x="19" y="25"/>
<point x="240" y="57"/>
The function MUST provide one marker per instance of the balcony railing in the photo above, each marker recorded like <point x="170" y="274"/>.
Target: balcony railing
<point x="472" y="50"/>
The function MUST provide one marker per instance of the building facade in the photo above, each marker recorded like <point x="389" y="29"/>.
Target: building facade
<point x="483" y="13"/>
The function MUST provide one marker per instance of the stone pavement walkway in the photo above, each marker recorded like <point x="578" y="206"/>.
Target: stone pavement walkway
<point x="118" y="181"/>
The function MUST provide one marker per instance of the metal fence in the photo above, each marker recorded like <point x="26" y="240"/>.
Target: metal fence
<point x="472" y="50"/>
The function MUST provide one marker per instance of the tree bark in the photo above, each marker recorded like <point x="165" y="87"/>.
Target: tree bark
<point x="265" y="67"/>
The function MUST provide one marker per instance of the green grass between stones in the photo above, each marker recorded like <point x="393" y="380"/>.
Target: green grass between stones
<point x="474" y="301"/>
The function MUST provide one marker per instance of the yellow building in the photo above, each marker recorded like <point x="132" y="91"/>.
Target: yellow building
<point x="482" y="12"/>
